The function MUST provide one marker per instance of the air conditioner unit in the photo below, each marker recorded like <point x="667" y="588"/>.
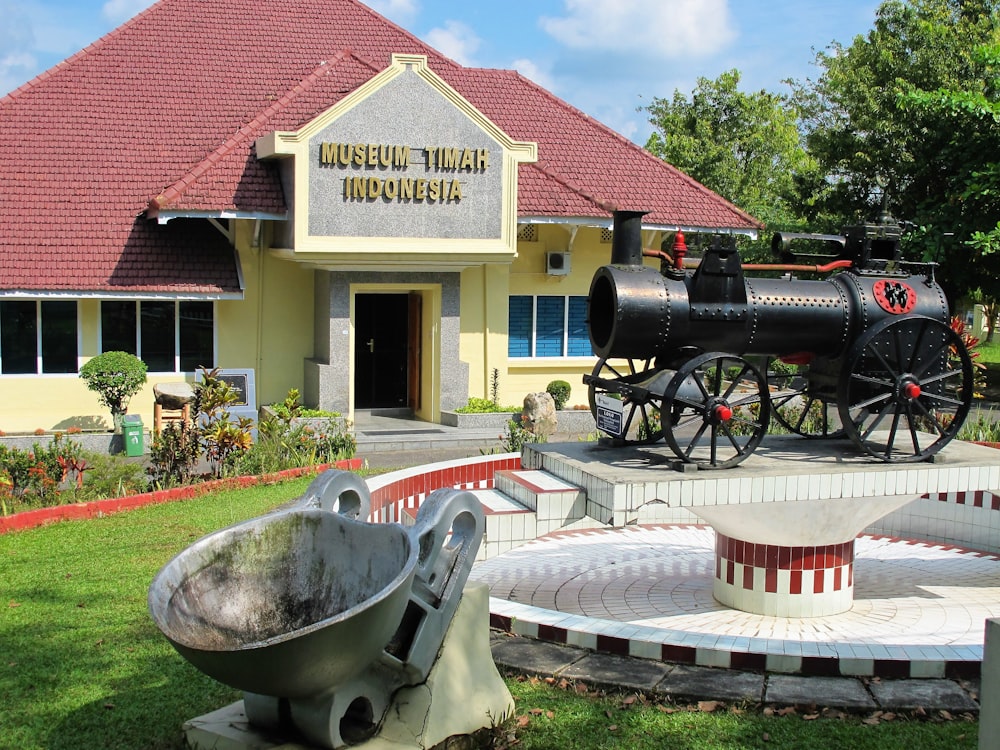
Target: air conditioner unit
<point x="557" y="264"/>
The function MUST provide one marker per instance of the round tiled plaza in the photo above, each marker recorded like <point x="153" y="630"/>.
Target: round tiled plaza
<point x="919" y="603"/>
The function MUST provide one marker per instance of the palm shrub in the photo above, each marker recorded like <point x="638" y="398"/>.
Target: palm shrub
<point x="36" y="477"/>
<point x="178" y="447"/>
<point x="116" y="377"/>
<point x="284" y="442"/>
<point x="222" y="438"/>
<point x="173" y="456"/>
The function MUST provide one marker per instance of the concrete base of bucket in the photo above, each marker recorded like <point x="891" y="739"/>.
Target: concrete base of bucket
<point x="463" y="694"/>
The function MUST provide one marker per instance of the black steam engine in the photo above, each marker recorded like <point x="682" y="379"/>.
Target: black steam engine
<point x="703" y="355"/>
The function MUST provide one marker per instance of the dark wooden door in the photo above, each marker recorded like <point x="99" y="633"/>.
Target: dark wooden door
<point x="380" y="350"/>
<point x="414" y="351"/>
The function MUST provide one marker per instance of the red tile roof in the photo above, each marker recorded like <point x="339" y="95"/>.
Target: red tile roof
<point x="164" y="110"/>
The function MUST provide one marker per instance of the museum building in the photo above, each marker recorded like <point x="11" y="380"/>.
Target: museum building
<point x="301" y="191"/>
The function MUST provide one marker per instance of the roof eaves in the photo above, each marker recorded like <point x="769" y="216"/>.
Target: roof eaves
<point x="604" y="205"/>
<point x="163" y="216"/>
<point x="132" y="294"/>
<point x="158" y="205"/>
<point x="607" y="222"/>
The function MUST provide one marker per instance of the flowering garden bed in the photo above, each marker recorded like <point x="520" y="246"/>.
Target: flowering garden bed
<point x="31" y="518"/>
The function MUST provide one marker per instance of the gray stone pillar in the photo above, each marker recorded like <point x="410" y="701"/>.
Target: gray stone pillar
<point x="327" y="374"/>
<point x="989" y="690"/>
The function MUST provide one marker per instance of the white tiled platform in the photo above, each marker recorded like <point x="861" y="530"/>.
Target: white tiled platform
<point x="637" y="484"/>
<point x="641" y="583"/>
<point x="919" y="609"/>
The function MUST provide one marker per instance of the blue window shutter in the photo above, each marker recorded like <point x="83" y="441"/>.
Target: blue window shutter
<point x="578" y="343"/>
<point x="550" y="327"/>
<point x="519" y="325"/>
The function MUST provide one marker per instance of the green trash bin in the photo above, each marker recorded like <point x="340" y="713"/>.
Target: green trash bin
<point x="132" y="432"/>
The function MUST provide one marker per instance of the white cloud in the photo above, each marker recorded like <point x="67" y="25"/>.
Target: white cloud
<point x="17" y="41"/>
<point x="531" y="70"/>
<point x="15" y="69"/>
<point x="117" y="11"/>
<point x="456" y="40"/>
<point x="663" y="29"/>
<point x="400" y="11"/>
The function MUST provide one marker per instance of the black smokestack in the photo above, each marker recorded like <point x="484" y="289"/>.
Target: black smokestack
<point x="626" y="242"/>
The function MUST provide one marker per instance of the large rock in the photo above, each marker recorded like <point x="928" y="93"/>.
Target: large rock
<point x="539" y="414"/>
<point x="173" y="395"/>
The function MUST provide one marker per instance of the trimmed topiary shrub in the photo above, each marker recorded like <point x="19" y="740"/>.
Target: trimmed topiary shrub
<point x="116" y="377"/>
<point x="559" y="390"/>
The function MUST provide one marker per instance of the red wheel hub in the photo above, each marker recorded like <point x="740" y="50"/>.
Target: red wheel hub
<point x="911" y="390"/>
<point x="723" y="413"/>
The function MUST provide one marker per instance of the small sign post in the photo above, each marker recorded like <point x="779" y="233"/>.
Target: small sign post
<point x="610" y="413"/>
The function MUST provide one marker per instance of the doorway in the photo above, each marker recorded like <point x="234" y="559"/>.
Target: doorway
<point x="387" y="351"/>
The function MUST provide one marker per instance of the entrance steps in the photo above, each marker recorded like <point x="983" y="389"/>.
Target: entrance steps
<point x="523" y="505"/>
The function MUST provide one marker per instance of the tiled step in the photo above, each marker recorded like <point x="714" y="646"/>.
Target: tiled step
<point x="556" y="502"/>
<point x="523" y="505"/>
<point x="509" y="524"/>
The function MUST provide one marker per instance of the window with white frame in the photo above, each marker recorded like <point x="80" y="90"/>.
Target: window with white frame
<point x="167" y="336"/>
<point x="38" y="336"/>
<point x="547" y="326"/>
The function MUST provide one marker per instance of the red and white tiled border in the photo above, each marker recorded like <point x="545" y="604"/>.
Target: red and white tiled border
<point x="405" y="489"/>
<point x="398" y="491"/>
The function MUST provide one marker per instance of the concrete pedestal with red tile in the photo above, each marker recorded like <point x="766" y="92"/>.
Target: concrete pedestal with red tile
<point x="770" y="579"/>
<point x="791" y="559"/>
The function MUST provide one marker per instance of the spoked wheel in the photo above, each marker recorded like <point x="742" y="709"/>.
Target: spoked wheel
<point x="635" y="383"/>
<point x="906" y="388"/>
<point x="796" y="406"/>
<point x="719" y="410"/>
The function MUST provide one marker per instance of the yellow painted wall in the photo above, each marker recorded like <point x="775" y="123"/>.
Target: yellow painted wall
<point x="271" y="329"/>
<point x="57" y="402"/>
<point x="483" y="339"/>
<point x="485" y="295"/>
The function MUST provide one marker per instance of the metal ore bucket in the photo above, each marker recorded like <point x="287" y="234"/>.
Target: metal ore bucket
<point x="304" y="601"/>
<point x="254" y="604"/>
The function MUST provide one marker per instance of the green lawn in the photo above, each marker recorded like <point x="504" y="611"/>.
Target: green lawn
<point x="556" y="718"/>
<point x="82" y="666"/>
<point x="989" y="353"/>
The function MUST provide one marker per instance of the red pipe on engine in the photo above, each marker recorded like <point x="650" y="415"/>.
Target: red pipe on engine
<point x="825" y="268"/>
<point x="833" y="265"/>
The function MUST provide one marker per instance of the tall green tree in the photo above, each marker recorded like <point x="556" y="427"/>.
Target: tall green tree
<point x="889" y="120"/>
<point x="973" y="117"/>
<point x="744" y="146"/>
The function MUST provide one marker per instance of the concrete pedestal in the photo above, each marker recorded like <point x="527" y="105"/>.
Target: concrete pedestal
<point x="463" y="694"/>
<point x="989" y="693"/>
<point x="791" y="559"/>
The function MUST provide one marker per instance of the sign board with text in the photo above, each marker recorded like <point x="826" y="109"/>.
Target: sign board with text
<point x="610" y="415"/>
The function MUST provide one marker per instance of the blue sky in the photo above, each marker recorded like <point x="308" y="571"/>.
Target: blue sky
<point x="606" y="57"/>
